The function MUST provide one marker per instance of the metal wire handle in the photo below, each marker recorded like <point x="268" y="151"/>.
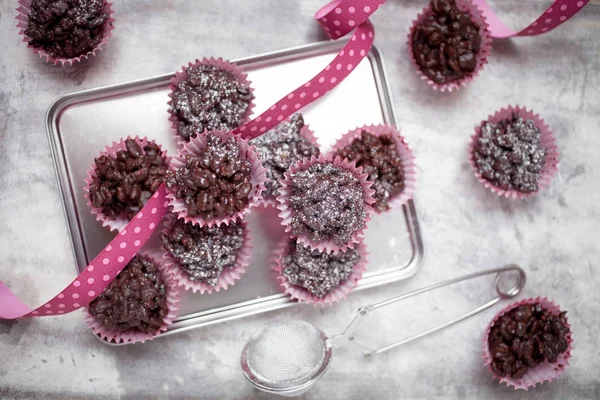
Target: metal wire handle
<point x="364" y="311"/>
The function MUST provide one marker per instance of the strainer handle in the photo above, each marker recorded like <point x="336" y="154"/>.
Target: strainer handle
<point x="511" y="292"/>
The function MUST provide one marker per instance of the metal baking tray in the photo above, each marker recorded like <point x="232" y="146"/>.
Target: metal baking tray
<point x="81" y="124"/>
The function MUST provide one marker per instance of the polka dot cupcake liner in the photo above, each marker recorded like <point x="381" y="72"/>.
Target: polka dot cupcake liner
<point x="229" y="275"/>
<point x="546" y="371"/>
<point x="120" y="222"/>
<point x="286" y="212"/>
<point x="481" y="58"/>
<point x="306" y="133"/>
<point x="195" y="147"/>
<point x="132" y="336"/>
<point x="304" y="296"/>
<point x="547" y="141"/>
<point x="23" y="18"/>
<point x="181" y="76"/>
<point x="406" y="156"/>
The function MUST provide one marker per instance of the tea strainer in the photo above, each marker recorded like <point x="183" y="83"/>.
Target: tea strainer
<point x="286" y="356"/>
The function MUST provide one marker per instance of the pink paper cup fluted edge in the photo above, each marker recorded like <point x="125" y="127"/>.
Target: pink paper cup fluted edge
<point x="135" y="337"/>
<point x="545" y="371"/>
<point x="195" y="147"/>
<point x="309" y="135"/>
<point x="547" y="141"/>
<point x="286" y="212"/>
<point x="181" y="75"/>
<point x="407" y="159"/>
<point x="304" y="296"/>
<point x="118" y="223"/>
<point x="229" y="275"/>
<point x="481" y="58"/>
<point x="23" y="17"/>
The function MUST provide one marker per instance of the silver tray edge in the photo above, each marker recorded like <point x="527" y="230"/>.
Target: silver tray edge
<point x="251" y="307"/>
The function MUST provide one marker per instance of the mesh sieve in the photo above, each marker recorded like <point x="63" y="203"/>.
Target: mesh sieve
<point x="286" y="356"/>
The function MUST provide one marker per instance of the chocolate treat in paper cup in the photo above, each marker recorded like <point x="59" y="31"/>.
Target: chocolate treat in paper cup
<point x="449" y="43"/>
<point x="209" y="95"/>
<point x="527" y="343"/>
<point x="206" y="258"/>
<point x="141" y="302"/>
<point x="325" y="203"/>
<point x="280" y="148"/>
<point x="314" y="277"/>
<point x="513" y="153"/>
<point x="65" y="31"/>
<point x="123" y="178"/>
<point x="215" y="179"/>
<point x="385" y="157"/>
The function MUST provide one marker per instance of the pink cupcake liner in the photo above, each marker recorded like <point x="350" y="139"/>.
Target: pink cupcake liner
<point x="484" y="51"/>
<point x="406" y="156"/>
<point x="181" y="76"/>
<point x="118" y="223"/>
<point x="229" y="275"/>
<point x="195" y="147"/>
<point x="545" y="371"/>
<point x="135" y="337"/>
<point x="306" y="133"/>
<point x="23" y="17"/>
<point x="286" y="212"/>
<point x="304" y="296"/>
<point x="547" y="141"/>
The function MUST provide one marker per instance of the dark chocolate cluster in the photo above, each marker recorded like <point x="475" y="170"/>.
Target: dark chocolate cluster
<point x="136" y="300"/>
<point x="318" y="272"/>
<point x="327" y="204"/>
<point x="124" y="183"/>
<point x="378" y="156"/>
<point x="203" y="252"/>
<point x="216" y="183"/>
<point x="445" y="44"/>
<point x="509" y="154"/>
<point x="209" y="99"/>
<point x="66" y="28"/>
<point x="280" y="148"/>
<point x="525" y="337"/>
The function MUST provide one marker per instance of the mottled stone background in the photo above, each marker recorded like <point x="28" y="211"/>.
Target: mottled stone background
<point x="554" y="236"/>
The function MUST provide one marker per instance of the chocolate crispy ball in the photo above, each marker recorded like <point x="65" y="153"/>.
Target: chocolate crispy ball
<point x="509" y="154"/>
<point x="318" y="272"/>
<point x="124" y="183"/>
<point x="446" y="43"/>
<point x="204" y="252"/>
<point x="327" y="203"/>
<point x="135" y="301"/>
<point x="525" y="337"/>
<point x="280" y="148"/>
<point x="378" y="157"/>
<point x="216" y="183"/>
<point x="209" y="99"/>
<point x="66" y="28"/>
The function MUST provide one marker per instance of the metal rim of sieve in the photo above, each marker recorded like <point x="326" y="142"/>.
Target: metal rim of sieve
<point x="290" y="387"/>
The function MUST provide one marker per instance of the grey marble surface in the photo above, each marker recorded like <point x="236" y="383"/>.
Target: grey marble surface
<point x="554" y="236"/>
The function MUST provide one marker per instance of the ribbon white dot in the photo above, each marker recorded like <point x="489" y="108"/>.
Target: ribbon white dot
<point x="90" y="281"/>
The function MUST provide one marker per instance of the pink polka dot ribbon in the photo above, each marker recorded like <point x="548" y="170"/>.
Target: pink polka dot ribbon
<point x="557" y="14"/>
<point x="338" y="18"/>
<point x="101" y="271"/>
